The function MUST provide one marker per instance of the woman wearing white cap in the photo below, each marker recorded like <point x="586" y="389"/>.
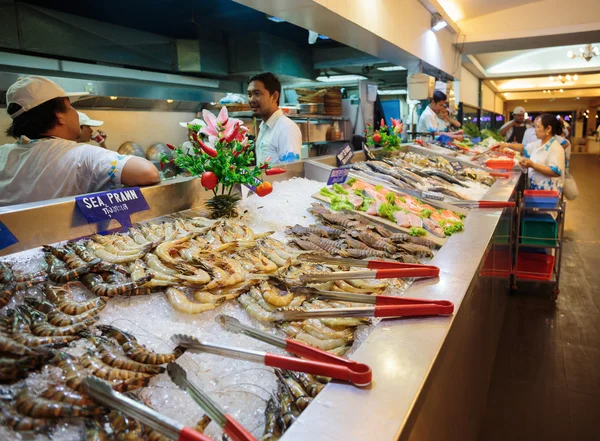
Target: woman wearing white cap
<point x="46" y="162"/>
<point x="86" y="124"/>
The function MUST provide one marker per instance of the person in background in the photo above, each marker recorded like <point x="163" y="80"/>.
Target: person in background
<point x="279" y="137"/>
<point x="514" y="130"/>
<point x="566" y="127"/>
<point x="192" y="127"/>
<point x="428" y="121"/>
<point x="529" y="135"/>
<point x="544" y="158"/>
<point x="86" y="124"/>
<point x="446" y="122"/>
<point x="46" y="162"/>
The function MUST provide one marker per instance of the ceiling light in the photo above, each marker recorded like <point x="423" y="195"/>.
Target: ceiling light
<point x="575" y="77"/>
<point x="340" y="78"/>
<point x="551" y="78"/>
<point x="113" y="98"/>
<point x="560" y="77"/>
<point x="169" y="101"/>
<point x="323" y="37"/>
<point x="437" y="22"/>
<point x="392" y="92"/>
<point x="568" y="77"/>
<point x="275" y="19"/>
<point x="561" y="91"/>
<point x="587" y="52"/>
<point x="391" y="68"/>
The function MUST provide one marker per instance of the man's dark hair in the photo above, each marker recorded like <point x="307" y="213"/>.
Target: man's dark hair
<point x="271" y="82"/>
<point x="439" y="96"/>
<point x="36" y="122"/>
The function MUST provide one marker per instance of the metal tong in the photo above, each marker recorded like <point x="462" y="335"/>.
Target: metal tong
<point x="101" y="392"/>
<point x="382" y="269"/>
<point x="326" y="365"/>
<point x="385" y="306"/>
<point x="485" y="204"/>
<point x="229" y="425"/>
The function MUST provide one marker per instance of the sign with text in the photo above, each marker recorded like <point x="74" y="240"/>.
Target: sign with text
<point x="6" y="237"/>
<point x="456" y="165"/>
<point x="114" y="204"/>
<point x="345" y="155"/>
<point x="338" y="176"/>
<point x="431" y="195"/>
<point x="368" y="153"/>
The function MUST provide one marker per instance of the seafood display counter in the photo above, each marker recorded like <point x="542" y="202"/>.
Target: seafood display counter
<point x="429" y="375"/>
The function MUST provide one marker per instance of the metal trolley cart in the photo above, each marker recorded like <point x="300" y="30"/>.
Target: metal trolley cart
<point x="539" y="243"/>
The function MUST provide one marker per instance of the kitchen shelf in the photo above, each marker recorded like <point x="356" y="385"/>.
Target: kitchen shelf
<point x="295" y="116"/>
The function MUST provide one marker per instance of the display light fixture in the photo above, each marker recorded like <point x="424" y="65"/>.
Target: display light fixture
<point x="391" y="68"/>
<point x="339" y="78"/>
<point x="437" y="22"/>
<point x="170" y="101"/>
<point x="113" y="98"/>
<point x="275" y="19"/>
<point x="587" y="52"/>
<point x="393" y="92"/>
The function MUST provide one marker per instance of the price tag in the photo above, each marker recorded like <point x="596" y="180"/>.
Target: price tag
<point x="368" y="153"/>
<point x="338" y="176"/>
<point x="431" y="195"/>
<point x="456" y="165"/>
<point x="345" y="155"/>
<point x="6" y="237"/>
<point x="114" y="204"/>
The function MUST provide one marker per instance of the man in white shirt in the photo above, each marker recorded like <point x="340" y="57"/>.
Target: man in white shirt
<point x="279" y="137"/>
<point x="46" y="162"/>
<point x="87" y="127"/>
<point x="514" y="130"/>
<point x="428" y="121"/>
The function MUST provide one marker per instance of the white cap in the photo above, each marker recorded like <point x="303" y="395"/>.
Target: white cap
<point x="30" y="92"/>
<point x="194" y="122"/>
<point x="518" y="110"/>
<point x="85" y="120"/>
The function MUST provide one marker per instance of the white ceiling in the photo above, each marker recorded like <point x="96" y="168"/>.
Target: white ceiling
<point x="544" y="83"/>
<point x="539" y="61"/>
<point x="466" y="9"/>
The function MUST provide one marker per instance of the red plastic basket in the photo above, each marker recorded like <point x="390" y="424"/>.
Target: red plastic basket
<point x="541" y="193"/>
<point x="500" y="164"/>
<point x="535" y="266"/>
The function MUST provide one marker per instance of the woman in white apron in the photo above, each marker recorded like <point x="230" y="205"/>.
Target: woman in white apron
<point x="544" y="159"/>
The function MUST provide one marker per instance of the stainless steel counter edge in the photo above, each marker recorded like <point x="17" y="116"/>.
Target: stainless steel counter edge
<point x="402" y="352"/>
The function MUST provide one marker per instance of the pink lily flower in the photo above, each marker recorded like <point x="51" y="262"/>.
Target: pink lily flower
<point x="219" y="125"/>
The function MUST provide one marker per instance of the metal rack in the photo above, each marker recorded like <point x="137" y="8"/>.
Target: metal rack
<point x="557" y="248"/>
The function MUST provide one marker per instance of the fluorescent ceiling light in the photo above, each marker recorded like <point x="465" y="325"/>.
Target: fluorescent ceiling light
<point x="340" y="78"/>
<point x="275" y="19"/>
<point x="391" y="68"/>
<point x="437" y="22"/>
<point x="323" y="37"/>
<point x="393" y="92"/>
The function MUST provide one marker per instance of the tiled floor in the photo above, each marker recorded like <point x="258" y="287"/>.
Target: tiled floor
<point x="546" y="380"/>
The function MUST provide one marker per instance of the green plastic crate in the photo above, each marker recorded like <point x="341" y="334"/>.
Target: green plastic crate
<point x="539" y="229"/>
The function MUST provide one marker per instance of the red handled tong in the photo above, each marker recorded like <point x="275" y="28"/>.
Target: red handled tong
<point x="385" y="306"/>
<point x="485" y="204"/>
<point x="103" y="393"/>
<point x="315" y="361"/>
<point x="230" y="426"/>
<point x="382" y="269"/>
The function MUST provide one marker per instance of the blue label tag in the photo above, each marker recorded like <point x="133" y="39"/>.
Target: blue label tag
<point x="338" y="176"/>
<point x="345" y="155"/>
<point x="476" y="140"/>
<point x="6" y="237"/>
<point x="444" y="139"/>
<point x="114" y="204"/>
